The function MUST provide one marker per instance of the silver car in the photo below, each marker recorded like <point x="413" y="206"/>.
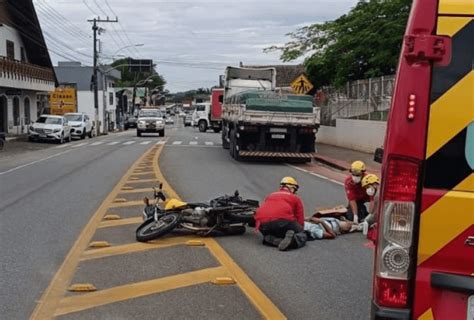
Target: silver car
<point x="150" y="121"/>
<point x="49" y="127"/>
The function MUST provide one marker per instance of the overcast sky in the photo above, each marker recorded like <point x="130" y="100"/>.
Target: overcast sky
<point x="191" y="41"/>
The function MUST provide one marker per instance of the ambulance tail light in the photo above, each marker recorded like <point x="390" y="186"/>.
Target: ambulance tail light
<point x="393" y="256"/>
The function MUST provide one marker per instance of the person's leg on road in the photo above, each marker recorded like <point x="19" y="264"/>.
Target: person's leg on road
<point x="295" y="237"/>
<point x="276" y="231"/>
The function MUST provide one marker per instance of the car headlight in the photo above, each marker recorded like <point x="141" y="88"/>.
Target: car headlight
<point x="77" y="126"/>
<point x="56" y="130"/>
<point x="159" y="122"/>
<point x="141" y="122"/>
<point x="32" y="128"/>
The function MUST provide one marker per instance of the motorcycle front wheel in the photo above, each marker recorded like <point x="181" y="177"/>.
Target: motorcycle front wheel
<point x="151" y="229"/>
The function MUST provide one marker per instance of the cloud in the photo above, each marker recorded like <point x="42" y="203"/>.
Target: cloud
<point x="192" y="41"/>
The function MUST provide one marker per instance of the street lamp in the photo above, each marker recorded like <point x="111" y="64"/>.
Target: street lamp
<point x="133" y="45"/>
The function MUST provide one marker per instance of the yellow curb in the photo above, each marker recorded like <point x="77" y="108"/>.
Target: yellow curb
<point x="194" y="243"/>
<point x="99" y="244"/>
<point x="82" y="287"/>
<point x="223" y="281"/>
<point x="112" y="217"/>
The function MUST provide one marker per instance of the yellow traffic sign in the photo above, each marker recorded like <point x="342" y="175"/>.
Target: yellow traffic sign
<point x="301" y="85"/>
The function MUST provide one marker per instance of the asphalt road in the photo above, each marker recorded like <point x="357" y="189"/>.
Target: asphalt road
<point x="47" y="196"/>
<point x="328" y="279"/>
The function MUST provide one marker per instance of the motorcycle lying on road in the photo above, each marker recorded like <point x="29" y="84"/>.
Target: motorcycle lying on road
<point x="228" y="215"/>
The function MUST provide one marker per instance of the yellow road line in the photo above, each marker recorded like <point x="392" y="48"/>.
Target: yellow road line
<point x="141" y="190"/>
<point x="256" y="296"/>
<point x="136" y="290"/>
<point x="133" y="247"/>
<point x="121" y="222"/>
<point x="144" y="173"/>
<point x="51" y="297"/>
<point x="132" y="203"/>
<point x="142" y="181"/>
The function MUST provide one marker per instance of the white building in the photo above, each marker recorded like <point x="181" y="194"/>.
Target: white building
<point x="74" y="74"/>
<point x="26" y="72"/>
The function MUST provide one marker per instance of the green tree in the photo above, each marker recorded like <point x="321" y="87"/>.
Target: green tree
<point x="363" y="43"/>
<point x="129" y="79"/>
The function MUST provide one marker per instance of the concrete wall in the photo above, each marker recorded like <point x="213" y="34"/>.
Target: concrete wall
<point x="360" y="135"/>
<point x="20" y="126"/>
<point x="85" y="103"/>
<point x="9" y="33"/>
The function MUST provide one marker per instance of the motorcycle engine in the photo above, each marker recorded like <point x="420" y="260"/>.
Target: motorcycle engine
<point x="196" y="216"/>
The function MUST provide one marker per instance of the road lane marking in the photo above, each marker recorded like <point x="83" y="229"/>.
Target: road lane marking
<point x="80" y="145"/>
<point x="113" y="143"/>
<point x="97" y="143"/>
<point x="35" y="162"/>
<point x="107" y="296"/>
<point x="62" y="146"/>
<point x="161" y="142"/>
<point x="209" y="143"/>
<point x="134" y="247"/>
<point x="177" y="143"/>
<point x="256" y="296"/>
<point x="145" y="142"/>
<point x="52" y="296"/>
<point x="193" y="143"/>
<point x="315" y="174"/>
<point x="120" y="222"/>
<point x="128" y="143"/>
<point x="142" y="181"/>
<point x="192" y="146"/>
<point x="144" y="173"/>
<point x="126" y="204"/>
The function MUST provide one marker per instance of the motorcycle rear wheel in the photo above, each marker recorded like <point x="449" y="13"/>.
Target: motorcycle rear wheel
<point x="152" y="229"/>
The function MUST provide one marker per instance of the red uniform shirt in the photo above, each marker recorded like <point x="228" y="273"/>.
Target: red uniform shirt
<point x="281" y="205"/>
<point x="354" y="191"/>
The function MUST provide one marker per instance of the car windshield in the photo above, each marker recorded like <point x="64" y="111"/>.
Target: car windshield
<point x="49" y="120"/>
<point x="150" y="113"/>
<point x="73" y="117"/>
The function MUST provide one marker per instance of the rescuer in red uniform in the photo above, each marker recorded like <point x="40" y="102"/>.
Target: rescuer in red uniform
<point x="280" y="218"/>
<point x="356" y="194"/>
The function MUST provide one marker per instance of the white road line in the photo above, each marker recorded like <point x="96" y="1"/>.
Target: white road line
<point x="128" y="143"/>
<point x="209" y="143"/>
<point x="113" y="143"/>
<point x="145" y="142"/>
<point x="161" y="142"/>
<point x="36" y="161"/>
<point x="177" y="142"/>
<point x="192" y="146"/>
<point x="80" y="145"/>
<point x="97" y="143"/>
<point x="193" y="143"/>
<point x="62" y="146"/>
<point x="315" y="174"/>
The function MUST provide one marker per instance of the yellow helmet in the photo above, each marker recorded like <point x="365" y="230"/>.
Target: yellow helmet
<point x="369" y="179"/>
<point x="174" y="204"/>
<point x="357" y="167"/>
<point x="289" y="181"/>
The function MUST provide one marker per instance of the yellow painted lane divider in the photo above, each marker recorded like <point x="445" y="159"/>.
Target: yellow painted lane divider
<point x="120" y="222"/>
<point x="136" y="290"/>
<point x="59" y="284"/>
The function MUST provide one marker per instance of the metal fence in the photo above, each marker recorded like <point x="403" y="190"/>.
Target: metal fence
<point x="367" y="99"/>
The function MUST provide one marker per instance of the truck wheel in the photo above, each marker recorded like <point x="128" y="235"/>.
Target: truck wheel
<point x="202" y="126"/>
<point x="225" y="143"/>
<point x="233" y="146"/>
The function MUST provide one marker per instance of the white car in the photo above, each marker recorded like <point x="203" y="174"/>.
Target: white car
<point x="169" y="120"/>
<point x="49" y="127"/>
<point x="150" y="120"/>
<point x="81" y="125"/>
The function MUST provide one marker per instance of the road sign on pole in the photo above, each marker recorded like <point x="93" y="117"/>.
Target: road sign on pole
<point x="301" y="85"/>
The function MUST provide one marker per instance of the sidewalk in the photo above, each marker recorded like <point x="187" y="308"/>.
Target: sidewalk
<point x="341" y="158"/>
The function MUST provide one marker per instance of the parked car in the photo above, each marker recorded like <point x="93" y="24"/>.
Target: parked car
<point x="49" y="127"/>
<point x="130" y="121"/>
<point x="188" y="120"/>
<point x="81" y="125"/>
<point x="150" y="120"/>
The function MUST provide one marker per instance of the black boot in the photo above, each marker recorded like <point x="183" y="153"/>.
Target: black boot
<point x="287" y="242"/>
<point x="271" y="240"/>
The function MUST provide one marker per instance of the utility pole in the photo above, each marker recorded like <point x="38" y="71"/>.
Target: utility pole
<point x="95" y="29"/>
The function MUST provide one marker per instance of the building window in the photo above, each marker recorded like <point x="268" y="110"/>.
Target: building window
<point x="16" y="111"/>
<point x="10" y="50"/>
<point x="23" y="56"/>
<point x="27" y="111"/>
<point x="111" y="98"/>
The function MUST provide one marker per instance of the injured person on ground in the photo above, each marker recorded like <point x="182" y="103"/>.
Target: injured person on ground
<point x="327" y="228"/>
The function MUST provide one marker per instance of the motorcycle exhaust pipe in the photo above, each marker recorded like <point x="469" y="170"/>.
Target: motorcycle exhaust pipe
<point x="190" y="227"/>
